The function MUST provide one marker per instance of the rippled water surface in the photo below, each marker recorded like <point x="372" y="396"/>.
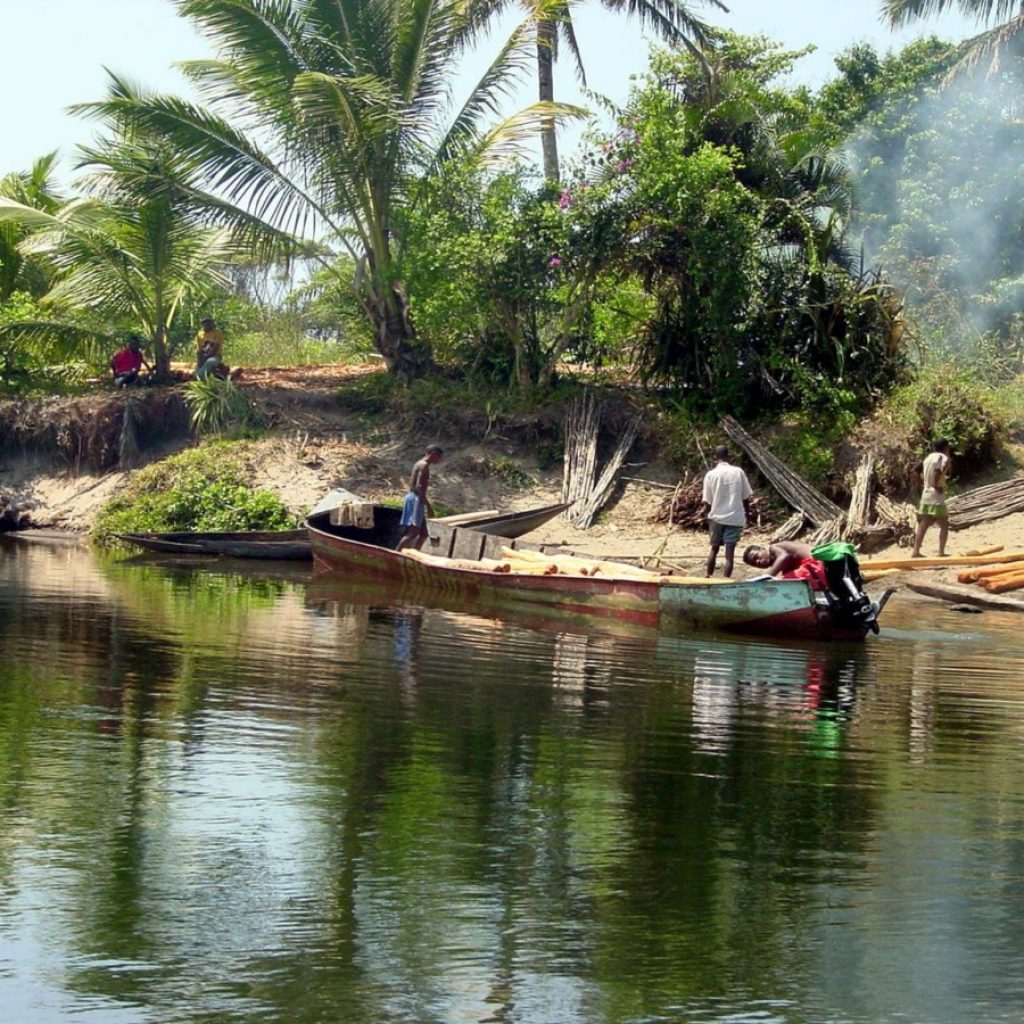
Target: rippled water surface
<point x="233" y="796"/>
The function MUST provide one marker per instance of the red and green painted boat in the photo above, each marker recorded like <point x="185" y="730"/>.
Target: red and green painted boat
<point x="779" y="608"/>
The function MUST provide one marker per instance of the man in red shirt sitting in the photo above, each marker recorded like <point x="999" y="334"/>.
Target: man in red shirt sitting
<point x="128" y="362"/>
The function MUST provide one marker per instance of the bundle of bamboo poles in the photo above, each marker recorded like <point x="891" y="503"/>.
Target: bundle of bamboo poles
<point x="859" y="515"/>
<point x="986" y="503"/>
<point x="790" y="529"/>
<point x="797" y="491"/>
<point x="579" y="465"/>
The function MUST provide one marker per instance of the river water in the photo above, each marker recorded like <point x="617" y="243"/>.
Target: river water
<point x="230" y="795"/>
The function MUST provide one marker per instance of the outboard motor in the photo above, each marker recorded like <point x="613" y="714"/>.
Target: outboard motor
<point x="845" y="593"/>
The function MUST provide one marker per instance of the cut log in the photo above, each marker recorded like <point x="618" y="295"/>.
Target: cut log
<point x="967" y="595"/>
<point x="576" y="564"/>
<point x="990" y="550"/>
<point x="1002" y="584"/>
<point x="948" y="562"/>
<point x="797" y="491"/>
<point x="987" y="571"/>
<point x="466" y="517"/>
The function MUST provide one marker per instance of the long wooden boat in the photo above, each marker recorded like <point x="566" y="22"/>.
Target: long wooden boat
<point x="781" y="608"/>
<point x="284" y="545"/>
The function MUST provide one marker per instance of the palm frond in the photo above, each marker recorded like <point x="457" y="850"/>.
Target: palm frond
<point x="485" y="99"/>
<point x="511" y="137"/>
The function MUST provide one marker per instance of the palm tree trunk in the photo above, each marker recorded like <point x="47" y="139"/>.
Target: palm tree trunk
<point x="546" y="93"/>
<point x="396" y="337"/>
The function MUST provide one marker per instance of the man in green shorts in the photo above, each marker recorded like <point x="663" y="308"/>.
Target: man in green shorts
<point x="933" y="497"/>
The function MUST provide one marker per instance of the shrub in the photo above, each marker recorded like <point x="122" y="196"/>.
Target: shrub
<point x="219" y="407"/>
<point x="205" y="488"/>
<point x="953" y="403"/>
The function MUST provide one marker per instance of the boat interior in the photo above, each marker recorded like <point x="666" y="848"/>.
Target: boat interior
<point x="446" y="541"/>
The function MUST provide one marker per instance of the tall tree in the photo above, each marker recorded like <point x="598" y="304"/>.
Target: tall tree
<point x="672" y="20"/>
<point x="1004" y="21"/>
<point x="322" y="114"/>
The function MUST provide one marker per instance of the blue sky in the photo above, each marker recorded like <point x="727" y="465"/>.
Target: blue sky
<point x="57" y="49"/>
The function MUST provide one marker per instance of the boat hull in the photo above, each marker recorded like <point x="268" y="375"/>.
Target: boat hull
<point x="288" y="545"/>
<point x="782" y="608"/>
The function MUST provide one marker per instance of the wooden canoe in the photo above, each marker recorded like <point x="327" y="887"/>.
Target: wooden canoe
<point x="284" y="545"/>
<point x="517" y="524"/>
<point x="780" y="608"/>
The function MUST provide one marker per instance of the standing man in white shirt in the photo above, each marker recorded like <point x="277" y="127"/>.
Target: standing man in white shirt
<point x="933" y="497"/>
<point x="726" y="493"/>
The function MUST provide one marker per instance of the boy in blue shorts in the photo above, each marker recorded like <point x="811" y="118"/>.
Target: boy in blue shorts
<point x="416" y="506"/>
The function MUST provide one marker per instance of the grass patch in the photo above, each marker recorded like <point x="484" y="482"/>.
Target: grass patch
<point x="203" y="489"/>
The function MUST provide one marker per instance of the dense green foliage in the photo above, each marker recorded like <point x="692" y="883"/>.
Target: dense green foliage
<point x="353" y="95"/>
<point x="204" y="488"/>
<point x="953" y="403"/>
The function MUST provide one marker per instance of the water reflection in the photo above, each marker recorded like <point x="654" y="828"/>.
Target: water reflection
<point x="231" y="796"/>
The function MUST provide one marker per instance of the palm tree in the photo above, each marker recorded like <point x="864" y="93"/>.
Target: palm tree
<point x="322" y="114"/>
<point x="1008" y="15"/>
<point x="33" y="188"/>
<point x="672" y="20"/>
<point x="129" y="252"/>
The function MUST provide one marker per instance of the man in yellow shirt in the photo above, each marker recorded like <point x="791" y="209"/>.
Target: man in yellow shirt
<point x="210" y="344"/>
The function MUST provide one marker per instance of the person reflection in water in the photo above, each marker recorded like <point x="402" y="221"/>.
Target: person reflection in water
<point x="408" y="625"/>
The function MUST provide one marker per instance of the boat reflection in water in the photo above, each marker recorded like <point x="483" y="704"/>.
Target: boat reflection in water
<point x="814" y="684"/>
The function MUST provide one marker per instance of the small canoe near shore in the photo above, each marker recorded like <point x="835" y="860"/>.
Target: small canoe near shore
<point x="465" y="567"/>
<point x="283" y="545"/>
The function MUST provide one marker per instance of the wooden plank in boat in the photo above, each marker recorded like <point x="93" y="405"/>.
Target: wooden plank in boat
<point x="493" y="546"/>
<point x="468" y="544"/>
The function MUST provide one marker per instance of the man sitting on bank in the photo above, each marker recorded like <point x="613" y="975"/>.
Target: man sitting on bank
<point x="209" y="350"/>
<point x="127" y="363"/>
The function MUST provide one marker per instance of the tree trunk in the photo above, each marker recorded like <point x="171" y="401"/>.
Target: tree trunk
<point x="395" y="335"/>
<point x="161" y="356"/>
<point x="546" y="30"/>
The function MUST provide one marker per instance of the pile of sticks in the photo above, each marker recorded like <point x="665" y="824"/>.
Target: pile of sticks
<point x="685" y="508"/>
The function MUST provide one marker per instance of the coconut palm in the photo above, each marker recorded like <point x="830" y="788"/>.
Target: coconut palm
<point x="1004" y="21"/>
<point x="129" y="252"/>
<point x="320" y="116"/>
<point x="33" y="188"/>
<point x="672" y="20"/>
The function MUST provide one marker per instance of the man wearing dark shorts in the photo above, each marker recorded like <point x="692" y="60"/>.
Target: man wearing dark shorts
<point x="726" y="493"/>
<point x="416" y="506"/>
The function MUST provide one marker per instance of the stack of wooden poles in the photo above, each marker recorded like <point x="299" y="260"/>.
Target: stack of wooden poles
<point x="537" y="563"/>
<point x="996" y="579"/>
